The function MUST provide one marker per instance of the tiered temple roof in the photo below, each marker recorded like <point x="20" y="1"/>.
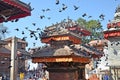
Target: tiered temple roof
<point x="65" y="41"/>
<point x="113" y="26"/>
<point x="13" y="9"/>
<point x="64" y="31"/>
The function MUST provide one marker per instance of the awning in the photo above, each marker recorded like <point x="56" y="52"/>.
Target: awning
<point x="13" y="9"/>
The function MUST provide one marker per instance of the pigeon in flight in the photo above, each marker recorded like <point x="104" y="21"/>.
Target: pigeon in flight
<point x="75" y="7"/>
<point x="17" y="29"/>
<point x="84" y="15"/>
<point x="41" y="17"/>
<point x="57" y="2"/>
<point x="24" y="38"/>
<point x="23" y="32"/>
<point x="43" y="10"/>
<point x="49" y="18"/>
<point x="47" y="9"/>
<point x="33" y="24"/>
<point x="102" y="16"/>
<point x="4" y="31"/>
<point x="32" y="9"/>
<point x="38" y="29"/>
<point x="60" y="10"/>
<point x="89" y="16"/>
<point x="26" y="27"/>
<point x="64" y="7"/>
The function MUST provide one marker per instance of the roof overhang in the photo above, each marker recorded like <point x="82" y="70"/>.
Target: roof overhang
<point x="111" y="33"/>
<point x="13" y="9"/>
<point x="70" y="37"/>
<point x="51" y="59"/>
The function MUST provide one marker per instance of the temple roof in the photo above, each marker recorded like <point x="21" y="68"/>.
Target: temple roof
<point x="78" y="50"/>
<point x="18" y="40"/>
<point x="63" y="28"/>
<point x="115" y="23"/>
<point x="13" y="9"/>
<point x="98" y="42"/>
<point x="117" y="13"/>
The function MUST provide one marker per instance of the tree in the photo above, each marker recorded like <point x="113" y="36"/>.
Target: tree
<point x="94" y="26"/>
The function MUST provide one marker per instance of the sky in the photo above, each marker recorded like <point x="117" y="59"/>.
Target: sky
<point x="91" y="7"/>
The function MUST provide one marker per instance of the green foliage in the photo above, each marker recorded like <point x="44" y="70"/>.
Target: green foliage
<point x="94" y="26"/>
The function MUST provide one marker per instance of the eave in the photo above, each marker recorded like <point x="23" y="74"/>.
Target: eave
<point x="69" y="58"/>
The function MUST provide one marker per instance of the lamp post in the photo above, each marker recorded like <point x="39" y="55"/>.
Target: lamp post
<point x="13" y="69"/>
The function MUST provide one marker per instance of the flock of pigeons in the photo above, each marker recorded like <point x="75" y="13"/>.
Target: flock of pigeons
<point x="36" y="33"/>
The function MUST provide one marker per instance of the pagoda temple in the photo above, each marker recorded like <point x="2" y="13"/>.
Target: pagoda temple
<point x="13" y="10"/>
<point x="113" y="36"/>
<point x="64" y="54"/>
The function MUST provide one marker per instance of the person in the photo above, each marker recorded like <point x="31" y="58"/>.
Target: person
<point x="0" y="77"/>
<point x="106" y="77"/>
<point x="30" y="78"/>
<point x="93" y="77"/>
<point x="3" y="78"/>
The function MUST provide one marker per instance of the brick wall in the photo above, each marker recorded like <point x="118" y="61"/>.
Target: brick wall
<point x="62" y="75"/>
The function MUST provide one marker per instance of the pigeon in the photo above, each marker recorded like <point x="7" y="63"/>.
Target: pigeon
<point x="34" y="44"/>
<point x="47" y="9"/>
<point x="34" y="24"/>
<point x="38" y="29"/>
<point x="89" y="16"/>
<point x="16" y="20"/>
<point x="4" y="17"/>
<point x="26" y="27"/>
<point x="9" y="67"/>
<point x="4" y="31"/>
<point x="75" y="7"/>
<point x="17" y="29"/>
<point x="41" y="17"/>
<point x="49" y="18"/>
<point x="24" y="38"/>
<point x="43" y="10"/>
<point x="31" y="9"/>
<point x="84" y="15"/>
<point x="101" y="16"/>
<point x="57" y="2"/>
<point x="60" y="10"/>
<point x="64" y="7"/>
<point x="23" y="32"/>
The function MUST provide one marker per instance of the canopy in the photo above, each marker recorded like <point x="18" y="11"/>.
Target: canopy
<point x="13" y="9"/>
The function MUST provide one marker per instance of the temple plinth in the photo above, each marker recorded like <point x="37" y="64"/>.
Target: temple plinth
<point x="63" y="54"/>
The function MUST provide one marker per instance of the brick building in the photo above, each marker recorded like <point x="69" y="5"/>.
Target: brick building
<point x="5" y="55"/>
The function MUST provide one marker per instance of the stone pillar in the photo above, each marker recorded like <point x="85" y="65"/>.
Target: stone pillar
<point x="13" y="69"/>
